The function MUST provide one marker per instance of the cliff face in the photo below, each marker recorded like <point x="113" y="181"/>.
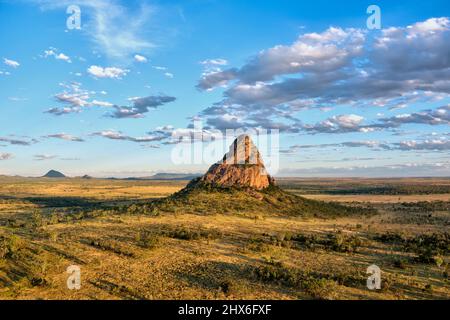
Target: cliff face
<point x="242" y="166"/>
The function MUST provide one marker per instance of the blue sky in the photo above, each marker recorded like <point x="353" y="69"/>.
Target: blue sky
<point x="107" y="99"/>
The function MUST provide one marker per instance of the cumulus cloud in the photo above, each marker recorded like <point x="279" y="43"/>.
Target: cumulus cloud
<point x="441" y="144"/>
<point x="62" y="111"/>
<point x="313" y="52"/>
<point x="354" y="123"/>
<point x="75" y="99"/>
<point x="213" y="79"/>
<point x="18" y="141"/>
<point x="99" y="103"/>
<point x="216" y="62"/>
<point x="43" y="157"/>
<point x="64" y="136"/>
<point x="338" y="67"/>
<point x="339" y="124"/>
<point x="141" y="105"/>
<point x="368" y="144"/>
<point x="140" y="58"/>
<point x="74" y="96"/>
<point x="431" y="145"/>
<point x="53" y="52"/>
<point x="11" y="63"/>
<point x="117" y="135"/>
<point x="439" y="116"/>
<point x="6" y="156"/>
<point x="392" y="170"/>
<point x="108" y="72"/>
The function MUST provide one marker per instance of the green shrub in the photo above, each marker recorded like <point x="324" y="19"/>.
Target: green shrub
<point x="11" y="246"/>
<point x="187" y="233"/>
<point x="390" y="237"/>
<point x="428" y="247"/>
<point x="113" y="246"/>
<point x="318" y="286"/>
<point x="400" y="263"/>
<point x="257" y="244"/>
<point x="228" y="286"/>
<point x="147" y="240"/>
<point x="337" y="241"/>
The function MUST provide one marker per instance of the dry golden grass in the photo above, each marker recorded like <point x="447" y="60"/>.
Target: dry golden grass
<point x="120" y="265"/>
<point x="378" y="198"/>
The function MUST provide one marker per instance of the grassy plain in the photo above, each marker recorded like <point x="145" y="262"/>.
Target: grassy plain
<point x="128" y="252"/>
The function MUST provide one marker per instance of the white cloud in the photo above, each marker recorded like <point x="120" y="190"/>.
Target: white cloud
<point x="431" y="145"/>
<point x="11" y="63"/>
<point x="73" y="95"/>
<point x="390" y="170"/>
<point x="6" y="156"/>
<point x="340" y="67"/>
<point x="64" y="136"/>
<point x="217" y="62"/>
<point x="117" y="135"/>
<point x="169" y="75"/>
<point x="339" y="124"/>
<point x="139" y="58"/>
<point x="141" y="105"/>
<point x="53" y="52"/>
<point x="108" y="72"/>
<point x="101" y="103"/>
<point x="63" y="57"/>
<point x="42" y="157"/>
<point x="116" y="30"/>
<point x="75" y="99"/>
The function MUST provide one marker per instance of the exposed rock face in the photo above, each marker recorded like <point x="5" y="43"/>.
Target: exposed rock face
<point x="242" y="166"/>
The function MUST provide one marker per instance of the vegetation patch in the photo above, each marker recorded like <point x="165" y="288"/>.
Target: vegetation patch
<point x="317" y="285"/>
<point x="23" y="264"/>
<point x="112" y="246"/>
<point x="147" y="240"/>
<point x="336" y="241"/>
<point x="190" y="233"/>
<point x="429" y="248"/>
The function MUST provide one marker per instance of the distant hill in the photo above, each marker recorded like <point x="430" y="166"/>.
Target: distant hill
<point x="174" y="176"/>
<point x="54" y="174"/>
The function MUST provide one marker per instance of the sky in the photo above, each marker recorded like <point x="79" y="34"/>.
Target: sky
<point x="323" y="92"/>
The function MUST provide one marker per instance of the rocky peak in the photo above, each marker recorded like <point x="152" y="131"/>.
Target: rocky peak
<point x="242" y="166"/>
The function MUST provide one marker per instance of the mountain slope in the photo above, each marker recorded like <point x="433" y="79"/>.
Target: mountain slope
<point x="54" y="174"/>
<point x="198" y="198"/>
<point x="240" y="185"/>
